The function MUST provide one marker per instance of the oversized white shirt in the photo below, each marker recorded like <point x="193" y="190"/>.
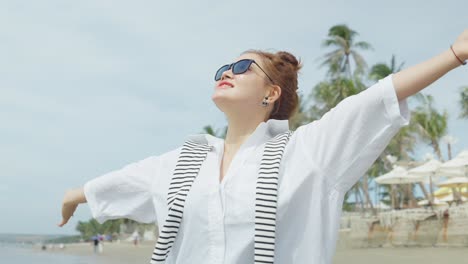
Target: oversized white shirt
<point x="321" y="162"/>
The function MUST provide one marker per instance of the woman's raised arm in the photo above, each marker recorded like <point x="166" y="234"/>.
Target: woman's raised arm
<point x="413" y="79"/>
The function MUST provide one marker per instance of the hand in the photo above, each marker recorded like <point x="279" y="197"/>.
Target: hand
<point x="460" y="46"/>
<point x="70" y="202"/>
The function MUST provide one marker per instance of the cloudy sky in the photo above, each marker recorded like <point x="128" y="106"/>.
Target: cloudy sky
<point x="89" y="86"/>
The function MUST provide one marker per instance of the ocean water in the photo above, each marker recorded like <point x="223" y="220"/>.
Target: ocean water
<point x="10" y="254"/>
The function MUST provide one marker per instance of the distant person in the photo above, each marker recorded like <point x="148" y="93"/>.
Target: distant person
<point x="95" y="244"/>
<point x="136" y="238"/>
<point x="101" y="243"/>
<point x="227" y="200"/>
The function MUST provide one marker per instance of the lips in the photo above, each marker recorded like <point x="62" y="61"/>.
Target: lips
<point x="224" y="83"/>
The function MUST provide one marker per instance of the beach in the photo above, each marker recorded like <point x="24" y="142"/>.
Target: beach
<point x="116" y="253"/>
<point x="125" y="252"/>
<point x="402" y="255"/>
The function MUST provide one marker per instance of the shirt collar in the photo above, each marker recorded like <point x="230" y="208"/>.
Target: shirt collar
<point x="263" y="132"/>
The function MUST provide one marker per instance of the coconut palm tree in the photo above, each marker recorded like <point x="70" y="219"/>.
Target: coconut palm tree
<point x="432" y="124"/>
<point x="343" y="39"/>
<point x="464" y="102"/>
<point x="403" y="143"/>
<point x="382" y="70"/>
<point x="210" y="130"/>
<point x="301" y="117"/>
<point x="329" y="93"/>
<point x="342" y="82"/>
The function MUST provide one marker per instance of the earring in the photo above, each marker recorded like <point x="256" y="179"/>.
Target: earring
<point x="265" y="101"/>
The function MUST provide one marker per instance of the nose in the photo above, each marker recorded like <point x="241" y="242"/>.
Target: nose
<point x="227" y="74"/>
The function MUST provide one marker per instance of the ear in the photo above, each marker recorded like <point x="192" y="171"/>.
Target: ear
<point x="275" y="92"/>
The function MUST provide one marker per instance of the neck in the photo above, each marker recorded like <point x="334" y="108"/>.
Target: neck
<point x="239" y="130"/>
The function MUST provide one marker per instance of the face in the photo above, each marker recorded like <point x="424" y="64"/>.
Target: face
<point x="242" y="93"/>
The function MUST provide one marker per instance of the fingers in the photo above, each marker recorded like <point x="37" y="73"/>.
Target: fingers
<point x="64" y="221"/>
<point x="67" y="213"/>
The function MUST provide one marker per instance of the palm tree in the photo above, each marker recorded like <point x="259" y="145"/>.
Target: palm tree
<point x="382" y="70"/>
<point x="402" y="144"/>
<point x="328" y="94"/>
<point x="301" y="117"/>
<point x="432" y="125"/>
<point x="342" y="38"/>
<point x="210" y="130"/>
<point x="342" y="82"/>
<point x="464" y="102"/>
<point x="93" y="227"/>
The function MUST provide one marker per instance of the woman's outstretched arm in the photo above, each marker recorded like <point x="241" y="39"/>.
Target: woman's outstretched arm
<point x="70" y="202"/>
<point x="413" y="79"/>
<point x="123" y="193"/>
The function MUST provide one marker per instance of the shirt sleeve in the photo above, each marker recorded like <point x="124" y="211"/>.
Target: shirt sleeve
<point x="349" y="138"/>
<point x="124" y="193"/>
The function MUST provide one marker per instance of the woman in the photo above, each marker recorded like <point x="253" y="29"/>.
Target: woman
<point x="232" y="212"/>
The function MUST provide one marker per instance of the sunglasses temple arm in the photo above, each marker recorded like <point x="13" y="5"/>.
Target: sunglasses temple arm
<point x="264" y="72"/>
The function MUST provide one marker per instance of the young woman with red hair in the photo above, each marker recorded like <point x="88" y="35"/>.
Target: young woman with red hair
<point x="265" y="193"/>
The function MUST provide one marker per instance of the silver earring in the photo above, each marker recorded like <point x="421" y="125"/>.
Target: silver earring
<point x="265" y="101"/>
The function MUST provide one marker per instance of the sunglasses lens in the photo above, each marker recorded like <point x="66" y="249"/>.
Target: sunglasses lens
<point x="220" y="72"/>
<point x="241" y="66"/>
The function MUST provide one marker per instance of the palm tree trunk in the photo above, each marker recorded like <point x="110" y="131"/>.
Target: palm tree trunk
<point x="436" y="147"/>
<point x="361" y="200"/>
<point x="423" y="188"/>
<point x="356" y="196"/>
<point x="449" y="150"/>
<point x="412" y="200"/>
<point x="365" y="189"/>
<point x="348" y="67"/>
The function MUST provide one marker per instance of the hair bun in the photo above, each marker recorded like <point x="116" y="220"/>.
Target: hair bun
<point x="288" y="57"/>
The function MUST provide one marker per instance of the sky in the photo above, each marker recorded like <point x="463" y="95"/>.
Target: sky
<point x="87" y="87"/>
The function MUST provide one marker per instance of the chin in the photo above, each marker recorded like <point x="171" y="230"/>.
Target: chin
<point x="222" y="102"/>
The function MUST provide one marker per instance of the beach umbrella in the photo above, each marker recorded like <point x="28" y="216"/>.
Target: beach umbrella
<point x="444" y="191"/>
<point x="398" y="175"/>
<point x="452" y="198"/>
<point x="428" y="168"/>
<point x="455" y="182"/>
<point x="428" y="171"/>
<point x="457" y="166"/>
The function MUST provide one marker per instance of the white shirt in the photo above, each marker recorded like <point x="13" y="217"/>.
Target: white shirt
<point x="321" y="162"/>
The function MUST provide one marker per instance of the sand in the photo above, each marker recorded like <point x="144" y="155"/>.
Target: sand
<point x="402" y="256"/>
<point x="115" y="253"/>
<point x="125" y="252"/>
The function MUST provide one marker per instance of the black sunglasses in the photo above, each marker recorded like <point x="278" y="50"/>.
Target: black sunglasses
<point x="238" y="67"/>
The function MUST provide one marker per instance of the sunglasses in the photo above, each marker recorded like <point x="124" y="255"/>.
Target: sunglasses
<point x="238" y="67"/>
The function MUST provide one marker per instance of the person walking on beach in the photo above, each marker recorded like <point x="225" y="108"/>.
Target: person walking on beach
<point x="136" y="238"/>
<point x="264" y="194"/>
<point x="95" y="244"/>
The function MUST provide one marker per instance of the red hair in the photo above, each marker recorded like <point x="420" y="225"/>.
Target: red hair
<point x="283" y="68"/>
